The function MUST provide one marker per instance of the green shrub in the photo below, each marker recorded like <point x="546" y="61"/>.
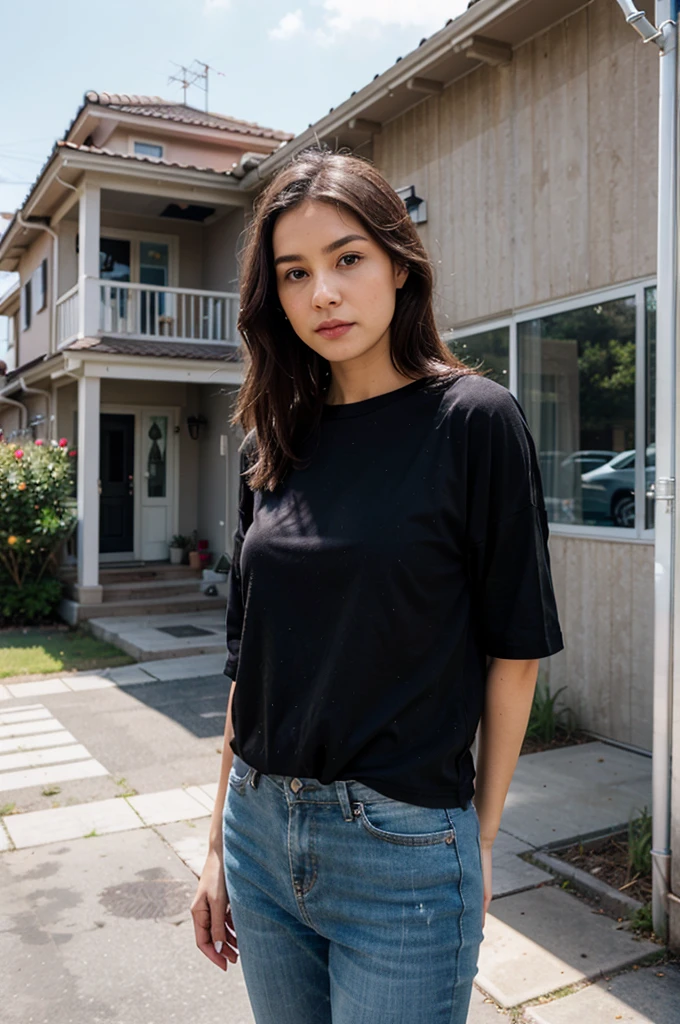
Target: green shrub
<point x="35" y="601"/>
<point x="36" y="516"/>
<point x="640" y="843"/>
<point x="545" y="719"/>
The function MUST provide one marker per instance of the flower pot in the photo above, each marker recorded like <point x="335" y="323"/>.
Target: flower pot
<point x="195" y="559"/>
<point x="176" y="556"/>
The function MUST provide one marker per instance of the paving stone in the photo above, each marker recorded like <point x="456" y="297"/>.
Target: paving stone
<point x="37" y="828"/>
<point x="636" y="997"/>
<point x="4" y="693"/>
<point x="169" y="805"/>
<point x="77" y="683"/>
<point x="189" y="840"/>
<point x="4" y="839"/>
<point x="37" y="688"/>
<point x="187" y="668"/>
<point x="541" y="940"/>
<point x="128" y="675"/>
<point x="199" y="793"/>
<point x="483" y="1010"/>
<point x="546" y="804"/>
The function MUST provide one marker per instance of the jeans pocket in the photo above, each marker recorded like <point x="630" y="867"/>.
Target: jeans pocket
<point x="239" y="774"/>
<point x="395" y="821"/>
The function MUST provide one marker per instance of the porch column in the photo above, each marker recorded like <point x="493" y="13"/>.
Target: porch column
<point x="89" y="213"/>
<point x="89" y="591"/>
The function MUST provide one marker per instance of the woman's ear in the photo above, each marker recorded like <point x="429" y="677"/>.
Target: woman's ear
<point x="400" y="275"/>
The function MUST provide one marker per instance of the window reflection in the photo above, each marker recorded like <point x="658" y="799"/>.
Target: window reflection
<point x="488" y="351"/>
<point x="577" y="388"/>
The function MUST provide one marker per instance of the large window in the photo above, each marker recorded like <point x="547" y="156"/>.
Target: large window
<point x="488" y="351"/>
<point x="584" y="373"/>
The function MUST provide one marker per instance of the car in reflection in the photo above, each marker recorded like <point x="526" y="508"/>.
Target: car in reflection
<point x="608" y="493"/>
<point x="561" y="474"/>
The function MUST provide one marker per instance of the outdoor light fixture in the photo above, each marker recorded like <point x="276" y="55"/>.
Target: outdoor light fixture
<point x="194" y="424"/>
<point x="416" y="207"/>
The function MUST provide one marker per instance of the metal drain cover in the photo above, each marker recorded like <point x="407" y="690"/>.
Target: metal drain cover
<point x="149" y="898"/>
<point x="182" y="631"/>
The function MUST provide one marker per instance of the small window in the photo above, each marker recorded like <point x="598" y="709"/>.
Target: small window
<point x="39" y="287"/>
<point x="148" y="149"/>
<point x="26" y="306"/>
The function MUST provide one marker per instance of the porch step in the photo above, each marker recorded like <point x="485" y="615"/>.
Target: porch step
<point x="194" y="602"/>
<point x="137" y="574"/>
<point x="136" y="590"/>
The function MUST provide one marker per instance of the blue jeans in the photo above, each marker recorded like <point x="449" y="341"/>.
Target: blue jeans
<point x="351" y="907"/>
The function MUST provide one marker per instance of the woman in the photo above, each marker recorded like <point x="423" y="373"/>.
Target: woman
<point x="390" y="589"/>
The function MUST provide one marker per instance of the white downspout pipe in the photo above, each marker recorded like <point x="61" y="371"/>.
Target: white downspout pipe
<point x="54" y="284"/>
<point x="665" y="521"/>
<point x="48" y="402"/>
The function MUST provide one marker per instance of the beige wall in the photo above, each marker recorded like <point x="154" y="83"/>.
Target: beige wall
<point x="218" y="486"/>
<point x="68" y="257"/>
<point x="192" y="152"/>
<point x="220" y="246"/>
<point x="36" y="340"/>
<point x="540" y="176"/>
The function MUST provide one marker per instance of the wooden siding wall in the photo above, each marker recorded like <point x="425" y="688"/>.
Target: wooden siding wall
<point x="540" y="176"/>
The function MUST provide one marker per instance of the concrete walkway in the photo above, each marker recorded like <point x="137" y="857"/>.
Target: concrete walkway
<point x="546" y="952"/>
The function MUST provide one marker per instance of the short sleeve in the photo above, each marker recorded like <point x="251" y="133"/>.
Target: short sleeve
<point x="513" y="607"/>
<point x="235" y="605"/>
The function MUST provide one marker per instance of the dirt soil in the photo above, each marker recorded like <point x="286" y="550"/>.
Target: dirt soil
<point x="608" y="861"/>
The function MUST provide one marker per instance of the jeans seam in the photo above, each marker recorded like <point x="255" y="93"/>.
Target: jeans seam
<point x="461" y="932"/>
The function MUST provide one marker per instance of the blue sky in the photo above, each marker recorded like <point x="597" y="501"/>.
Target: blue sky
<point x="282" y="63"/>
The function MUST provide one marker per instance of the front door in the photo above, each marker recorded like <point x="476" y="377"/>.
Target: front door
<point x="116" y="474"/>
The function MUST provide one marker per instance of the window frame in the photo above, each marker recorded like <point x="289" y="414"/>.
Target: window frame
<point x="39" y="279"/>
<point x="634" y="289"/>
<point x="134" y="142"/>
<point x="26" y="305"/>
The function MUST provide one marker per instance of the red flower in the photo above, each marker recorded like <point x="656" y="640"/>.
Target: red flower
<point x="63" y="442"/>
<point x="38" y="442"/>
<point x="73" y="452"/>
<point x="19" y="454"/>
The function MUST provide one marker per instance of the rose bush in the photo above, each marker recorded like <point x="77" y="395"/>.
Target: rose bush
<point x="37" y="515"/>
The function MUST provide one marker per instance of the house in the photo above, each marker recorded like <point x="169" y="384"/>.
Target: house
<point x="120" y="335"/>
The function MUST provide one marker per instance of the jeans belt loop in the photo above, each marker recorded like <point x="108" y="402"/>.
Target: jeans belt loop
<point x="343" y="797"/>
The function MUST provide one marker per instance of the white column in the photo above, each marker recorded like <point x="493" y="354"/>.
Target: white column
<point x="89" y="213"/>
<point x="89" y="591"/>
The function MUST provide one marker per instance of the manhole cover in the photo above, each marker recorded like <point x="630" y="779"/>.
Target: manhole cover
<point x="150" y="898"/>
<point x="182" y="631"/>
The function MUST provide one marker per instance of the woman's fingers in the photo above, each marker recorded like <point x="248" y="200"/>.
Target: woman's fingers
<point x="214" y="942"/>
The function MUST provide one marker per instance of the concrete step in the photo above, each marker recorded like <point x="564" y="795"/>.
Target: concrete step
<point x="138" y="574"/>
<point x="116" y="592"/>
<point x="194" y="602"/>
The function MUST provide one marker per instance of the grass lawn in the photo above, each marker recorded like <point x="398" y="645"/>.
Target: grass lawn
<point x="29" y="651"/>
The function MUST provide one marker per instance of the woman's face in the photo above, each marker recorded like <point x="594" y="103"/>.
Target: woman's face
<point x="336" y="285"/>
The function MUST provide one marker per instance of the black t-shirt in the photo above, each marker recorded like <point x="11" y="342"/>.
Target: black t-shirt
<point x="367" y="590"/>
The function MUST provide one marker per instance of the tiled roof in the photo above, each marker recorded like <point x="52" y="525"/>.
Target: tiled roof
<point x="156" y="107"/>
<point x="160" y="349"/>
<point x="137" y="157"/>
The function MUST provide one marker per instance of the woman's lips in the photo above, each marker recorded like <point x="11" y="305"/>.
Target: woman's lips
<point x="334" y="332"/>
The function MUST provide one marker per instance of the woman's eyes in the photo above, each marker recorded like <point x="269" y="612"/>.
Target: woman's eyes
<point x="347" y="256"/>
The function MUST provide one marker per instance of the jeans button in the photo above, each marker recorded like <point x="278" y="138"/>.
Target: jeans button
<point x="296" y="785"/>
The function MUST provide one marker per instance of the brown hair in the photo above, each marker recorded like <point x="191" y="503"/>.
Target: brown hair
<point x="282" y="396"/>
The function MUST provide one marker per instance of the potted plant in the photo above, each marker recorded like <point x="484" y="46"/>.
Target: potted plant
<point x="192" y="548"/>
<point x="178" y="546"/>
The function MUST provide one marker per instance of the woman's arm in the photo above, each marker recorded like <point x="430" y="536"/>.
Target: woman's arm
<point x="510" y="685"/>
<point x="215" y="834"/>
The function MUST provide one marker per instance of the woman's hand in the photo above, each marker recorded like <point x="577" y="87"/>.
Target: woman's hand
<point x="486" y="874"/>
<point x="213" y="924"/>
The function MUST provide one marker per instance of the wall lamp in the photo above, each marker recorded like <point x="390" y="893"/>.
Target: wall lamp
<point x="194" y="424"/>
<point x="415" y="206"/>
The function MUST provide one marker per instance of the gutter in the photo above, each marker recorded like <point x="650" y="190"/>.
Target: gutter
<point x="23" y="411"/>
<point x="48" y="402"/>
<point x="665" y="37"/>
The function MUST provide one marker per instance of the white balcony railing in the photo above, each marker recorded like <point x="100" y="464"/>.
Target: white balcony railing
<point x="67" y="316"/>
<point x="178" y="314"/>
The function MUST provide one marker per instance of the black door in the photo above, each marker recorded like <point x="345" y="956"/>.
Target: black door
<point x="116" y="502"/>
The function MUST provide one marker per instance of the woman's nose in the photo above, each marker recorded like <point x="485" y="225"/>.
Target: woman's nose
<point x="324" y="294"/>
